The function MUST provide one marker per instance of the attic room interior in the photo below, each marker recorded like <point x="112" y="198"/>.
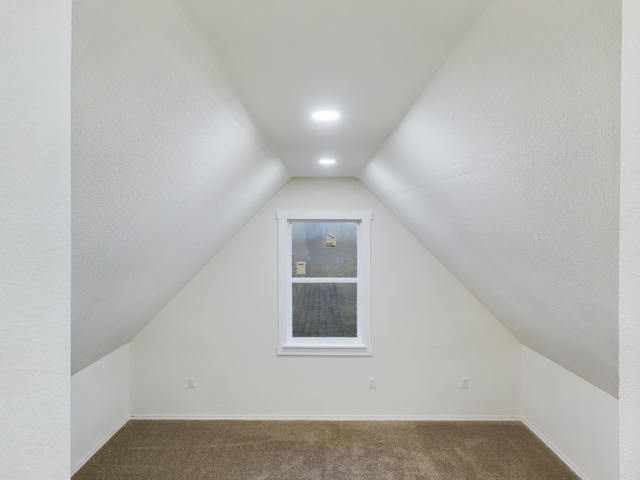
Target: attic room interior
<point x="154" y="152"/>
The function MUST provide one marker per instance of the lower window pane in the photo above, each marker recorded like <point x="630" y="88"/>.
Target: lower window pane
<point x="324" y="310"/>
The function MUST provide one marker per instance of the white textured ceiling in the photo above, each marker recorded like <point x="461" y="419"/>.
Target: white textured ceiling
<point x="370" y="59"/>
<point x="505" y="166"/>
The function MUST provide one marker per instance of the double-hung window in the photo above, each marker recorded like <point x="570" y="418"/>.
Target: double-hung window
<point x="324" y="300"/>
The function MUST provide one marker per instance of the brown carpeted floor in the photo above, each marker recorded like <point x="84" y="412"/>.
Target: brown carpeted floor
<point x="296" y="450"/>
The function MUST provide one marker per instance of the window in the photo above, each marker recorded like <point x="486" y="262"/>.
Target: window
<point x="323" y="267"/>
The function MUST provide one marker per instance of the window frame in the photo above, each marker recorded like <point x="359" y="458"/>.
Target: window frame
<point x="331" y="346"/>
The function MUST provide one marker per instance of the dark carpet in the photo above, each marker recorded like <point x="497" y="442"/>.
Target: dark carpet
<point x="323" y="450"/>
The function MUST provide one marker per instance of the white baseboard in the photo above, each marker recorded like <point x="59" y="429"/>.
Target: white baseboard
<point x="555" y="450"/>
<point x="100" y="445"/>
<point x="345" y="418"/>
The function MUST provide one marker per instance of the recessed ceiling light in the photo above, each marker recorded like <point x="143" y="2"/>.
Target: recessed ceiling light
<point x="326" y="161"/>
<point x="325" y="115"/>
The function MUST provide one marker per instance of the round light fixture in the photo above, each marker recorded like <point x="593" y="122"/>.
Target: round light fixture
<point x="325" y="115"/>
<point x="326" y="161"/>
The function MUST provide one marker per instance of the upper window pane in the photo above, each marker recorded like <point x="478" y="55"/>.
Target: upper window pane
<point x="324" y="249"/>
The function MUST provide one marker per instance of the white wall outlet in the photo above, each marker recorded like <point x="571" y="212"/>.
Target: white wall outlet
<point x="372" y="383"/>
<point x="192" y="382"/>
<point x="465" y="383"/>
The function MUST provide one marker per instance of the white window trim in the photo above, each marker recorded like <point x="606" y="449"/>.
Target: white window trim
<point x="287" y="344"/>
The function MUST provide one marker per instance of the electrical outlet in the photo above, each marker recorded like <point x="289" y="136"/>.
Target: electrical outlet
<point x="372" y="383"/>
<point x="192" y="382"/>
<point x="465" y="383"/>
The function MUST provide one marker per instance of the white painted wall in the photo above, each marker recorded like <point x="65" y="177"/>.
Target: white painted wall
<point x="100" y="404"/>
<point x="428" y="333"/>
<point x="35" y="238"/>
<point x="629" y="309"/>
<point x="578" y="420"/>
<point x="507" y="169"/>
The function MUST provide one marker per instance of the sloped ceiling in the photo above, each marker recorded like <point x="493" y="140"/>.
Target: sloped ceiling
<point x="166" y="166"/>
<point x="506" y="166"/>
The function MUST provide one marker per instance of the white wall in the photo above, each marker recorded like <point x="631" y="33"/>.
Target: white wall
<point x="428" y="333"/>
<point x="629" y="310"/>
<point x="578" y="420"/>
<point x="35" y="240"/>
<point x="100" y="404"/>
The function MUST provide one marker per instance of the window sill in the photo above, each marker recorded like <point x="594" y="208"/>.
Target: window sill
<point x="318" y="350"/>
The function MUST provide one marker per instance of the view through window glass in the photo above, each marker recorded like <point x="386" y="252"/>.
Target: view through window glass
<point x="327" y="251"/>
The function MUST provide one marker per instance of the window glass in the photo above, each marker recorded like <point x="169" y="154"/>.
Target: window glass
<point x="325" y="310"/>
<point x="324" y="249"/>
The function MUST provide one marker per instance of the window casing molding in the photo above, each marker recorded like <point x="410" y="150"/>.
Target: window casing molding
<point x="288" y="344"/>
